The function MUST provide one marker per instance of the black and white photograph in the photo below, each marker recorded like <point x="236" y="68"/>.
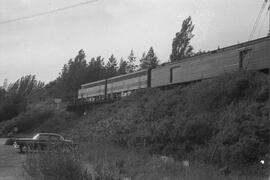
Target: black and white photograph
<point x="134" y="89"/>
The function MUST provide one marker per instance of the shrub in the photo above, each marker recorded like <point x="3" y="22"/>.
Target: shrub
<point x="27" y="121"/>
<point x="40" y="117"/>
<point x="10" y="141"/>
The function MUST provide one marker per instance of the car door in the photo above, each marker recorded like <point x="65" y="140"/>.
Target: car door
<point x="55" y="140"/>
<point x="43" y="141"/>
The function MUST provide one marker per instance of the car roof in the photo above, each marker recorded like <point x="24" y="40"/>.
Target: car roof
<point x="49" y="134"/>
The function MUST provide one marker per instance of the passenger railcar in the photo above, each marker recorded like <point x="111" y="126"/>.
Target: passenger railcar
<point x="114" y="87"/>
<point x="122" y="85"/>
<point x="93" y="91"/>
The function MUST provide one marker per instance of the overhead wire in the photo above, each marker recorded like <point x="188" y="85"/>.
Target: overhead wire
<point x="48" y="12"/>
<point x="257" y="20"/>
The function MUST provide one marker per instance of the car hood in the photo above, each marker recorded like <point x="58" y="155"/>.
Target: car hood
<point x="69" y="141"/>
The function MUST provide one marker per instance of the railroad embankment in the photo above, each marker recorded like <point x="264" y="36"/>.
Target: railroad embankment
<point x="222" y="121"/>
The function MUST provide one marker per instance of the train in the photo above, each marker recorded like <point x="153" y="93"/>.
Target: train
<point x="250" y="55"/>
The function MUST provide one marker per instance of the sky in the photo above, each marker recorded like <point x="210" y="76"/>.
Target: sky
<point x="42" y="45"/>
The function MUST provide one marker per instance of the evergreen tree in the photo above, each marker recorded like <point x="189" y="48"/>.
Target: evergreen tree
<point x="80" y="56"/>
<point x="181" y="47"/>
<point x="143" y="60"/>
<point x="96" y="69"/>
<point x="2" y="93"/>
<point x="122" y="67"/>
<point x="73" y="75"/>
<point x="149" y="60"/>
<point x="131" y="66"/>
<point x="111" y="67"/>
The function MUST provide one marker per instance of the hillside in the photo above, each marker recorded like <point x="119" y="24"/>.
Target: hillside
<point x="222" y="121"/>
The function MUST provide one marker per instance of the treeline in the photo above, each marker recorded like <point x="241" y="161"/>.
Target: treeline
<point x="79" y="71"/>
<point x="15" y="98"/>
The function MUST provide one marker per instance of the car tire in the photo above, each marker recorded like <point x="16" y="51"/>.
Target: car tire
<point x="21" y="149"/>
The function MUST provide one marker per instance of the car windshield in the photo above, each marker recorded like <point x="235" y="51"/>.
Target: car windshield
<point x="41" y="137"/>
<point x="47" y="137"/>
<point x="36" y="136"/>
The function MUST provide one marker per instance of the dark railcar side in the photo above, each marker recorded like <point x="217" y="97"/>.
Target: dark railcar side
<point x="93" y="90"/>
<point x="120" y="85"/>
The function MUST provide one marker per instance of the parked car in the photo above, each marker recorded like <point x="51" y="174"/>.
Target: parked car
<point x="43" y="141"/>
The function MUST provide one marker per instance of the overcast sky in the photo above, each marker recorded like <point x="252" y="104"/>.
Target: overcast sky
<point x="42" y="45"/>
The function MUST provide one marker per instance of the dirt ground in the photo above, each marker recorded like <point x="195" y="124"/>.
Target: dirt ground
<point x="10" y="162"/>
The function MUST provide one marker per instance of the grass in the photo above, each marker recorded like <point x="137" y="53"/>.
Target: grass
<point x="115" y="163"/>
<point x="111" y="162"/>
<point x="55" y="164"/>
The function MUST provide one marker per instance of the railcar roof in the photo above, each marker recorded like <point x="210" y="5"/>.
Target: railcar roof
<point x="92" y="83"/>
<point x="101" y="82"/>
<point x="128" y="74"/>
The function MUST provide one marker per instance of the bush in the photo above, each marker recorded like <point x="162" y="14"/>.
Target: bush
<point x="40" y="117"/>
<point x="30" y="119"/>
<point x="10" y="141"/>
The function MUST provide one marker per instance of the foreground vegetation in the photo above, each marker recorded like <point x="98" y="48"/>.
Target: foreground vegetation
<point x="109" y="162"/>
